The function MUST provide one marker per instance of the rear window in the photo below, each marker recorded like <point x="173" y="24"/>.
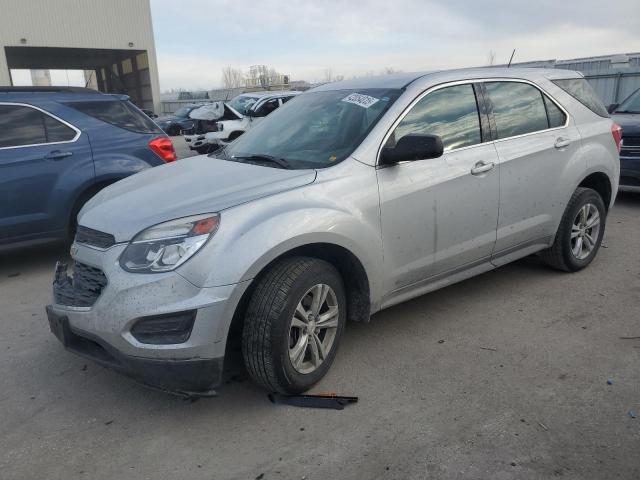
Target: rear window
<point x="580" y="89"/>
<point x="118" y="113"/>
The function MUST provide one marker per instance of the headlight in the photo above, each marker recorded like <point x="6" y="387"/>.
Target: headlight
<point x="168" y="245"/>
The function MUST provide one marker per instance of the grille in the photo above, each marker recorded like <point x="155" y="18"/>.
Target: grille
<point x="94" y="238"/>
<point x="80" y="290"/>
<point x="631" y="141"/>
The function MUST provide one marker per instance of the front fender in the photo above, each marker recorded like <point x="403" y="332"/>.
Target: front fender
<point x="252" y="235"/>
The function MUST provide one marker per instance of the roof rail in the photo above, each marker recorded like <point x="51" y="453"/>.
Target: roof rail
<point x="48" y="89"/>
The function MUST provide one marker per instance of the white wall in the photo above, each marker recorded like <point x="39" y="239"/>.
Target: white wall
<point x="79" y="24"/>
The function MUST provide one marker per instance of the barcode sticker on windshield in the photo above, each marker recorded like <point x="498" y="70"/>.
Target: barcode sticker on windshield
<point x="363" y="100"/>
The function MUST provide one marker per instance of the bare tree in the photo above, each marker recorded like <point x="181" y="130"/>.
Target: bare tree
<point x="232" y="77"/>
<point x="390" y="71"/>
<point x="328" y="75"/>
<point x="491" y="58"/>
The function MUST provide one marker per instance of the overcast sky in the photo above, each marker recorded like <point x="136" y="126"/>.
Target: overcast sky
<point x="195" y="40"/>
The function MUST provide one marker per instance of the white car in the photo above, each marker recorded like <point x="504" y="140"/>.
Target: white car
<point x="220" y="123"/>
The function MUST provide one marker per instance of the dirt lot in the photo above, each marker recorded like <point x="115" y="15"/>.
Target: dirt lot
<point x="501" y="376"/>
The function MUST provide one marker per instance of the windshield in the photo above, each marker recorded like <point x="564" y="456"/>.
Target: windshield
<point x="242" y="104"/>
<point x="183" y="112"/>
<point x="631" y="104"/>
<point x="316" y="129"/>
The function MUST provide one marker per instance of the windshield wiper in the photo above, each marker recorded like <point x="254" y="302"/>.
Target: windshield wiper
<point x="281" y="162"/>
<point x="626" y="111"/>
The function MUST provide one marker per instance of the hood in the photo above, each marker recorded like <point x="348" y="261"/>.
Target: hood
<point x="630" y="123"/>
<point x="215" y="111"/>
<point x="211" y="111"/>
<point x="187" y="187"/>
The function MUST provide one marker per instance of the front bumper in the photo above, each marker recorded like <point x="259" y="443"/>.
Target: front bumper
<point x="202" y="139"/>
<point x="102" y="330"/>
<point x="630" y="171"/>
<point x="186" y="377"/>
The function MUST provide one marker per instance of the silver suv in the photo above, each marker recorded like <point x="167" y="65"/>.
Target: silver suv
<point x="352" y="197"/>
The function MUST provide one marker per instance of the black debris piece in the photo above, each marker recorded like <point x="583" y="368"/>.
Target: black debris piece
<point x="331" y="401"/>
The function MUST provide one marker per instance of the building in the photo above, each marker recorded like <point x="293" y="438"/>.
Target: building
<point x="108" y="43"/>
<point x="613" y="77"/>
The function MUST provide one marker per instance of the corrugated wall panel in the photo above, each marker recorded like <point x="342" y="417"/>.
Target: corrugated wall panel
<point x="110" y="24"/>
<point x="76" y="23"/>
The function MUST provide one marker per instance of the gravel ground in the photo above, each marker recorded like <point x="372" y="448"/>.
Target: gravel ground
<point x="502" y="376"/>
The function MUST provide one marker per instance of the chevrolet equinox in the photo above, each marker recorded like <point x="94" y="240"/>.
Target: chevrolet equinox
<point x="351" y="198"/>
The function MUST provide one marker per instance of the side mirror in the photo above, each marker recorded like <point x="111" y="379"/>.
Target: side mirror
<point x="612" y="108"/>
<point x="415" y="146"/>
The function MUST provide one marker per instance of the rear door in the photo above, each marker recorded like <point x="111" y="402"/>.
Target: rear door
<point x="535" y="143"/>
<point x="42" y="160"/>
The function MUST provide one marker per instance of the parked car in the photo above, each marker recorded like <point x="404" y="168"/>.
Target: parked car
<point x="59" y="147"/>
<point x="149" y="113"/>
<point x="627" y="115"/>
<point x="215" y="127"/>
<point x="355" y="197"/>
<point x="179" y="120"/>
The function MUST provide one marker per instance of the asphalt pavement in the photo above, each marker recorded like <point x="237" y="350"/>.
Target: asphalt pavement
<point x="503" y="376"/>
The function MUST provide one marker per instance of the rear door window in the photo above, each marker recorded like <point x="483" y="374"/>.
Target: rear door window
<point x="580" y="89"/>
<point x="450" y="112"/>
<point x="21" y="126"/>
<point x="118" y="113"/>
<point x="518" y="108"/>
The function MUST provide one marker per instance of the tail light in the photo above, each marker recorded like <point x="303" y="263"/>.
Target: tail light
<point x="163" y="147"/>
<point x="616" y="131"/>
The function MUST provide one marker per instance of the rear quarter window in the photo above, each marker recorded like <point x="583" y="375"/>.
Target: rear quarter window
<point x="118" y="113"/>
<point x="580" y="89"/>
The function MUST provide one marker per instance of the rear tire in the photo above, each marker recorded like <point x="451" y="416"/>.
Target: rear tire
<point x="282" y="351"/>
<point x="580" y="232"/>
<point x="174" y="131"/>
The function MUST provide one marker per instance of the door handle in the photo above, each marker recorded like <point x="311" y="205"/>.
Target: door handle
<point x="562" y="142"/>
<point x="482" y="167"/>
<point x="57" y="155"/>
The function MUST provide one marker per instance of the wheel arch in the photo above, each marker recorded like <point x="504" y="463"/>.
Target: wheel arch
<point x="233" y="135"/>
<point x="600" y="182"/>
<point x="351" y="269"/>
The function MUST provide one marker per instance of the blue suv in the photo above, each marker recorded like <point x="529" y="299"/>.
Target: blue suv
<point x="59" y="147"/>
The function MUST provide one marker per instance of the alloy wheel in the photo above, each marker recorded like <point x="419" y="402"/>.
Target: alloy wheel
<point x="585" y="231"/>
<point x="313" y="328"/>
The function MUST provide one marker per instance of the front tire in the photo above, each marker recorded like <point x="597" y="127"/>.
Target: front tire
<point x="293" y="324"/>
<point x="580" y="232"/>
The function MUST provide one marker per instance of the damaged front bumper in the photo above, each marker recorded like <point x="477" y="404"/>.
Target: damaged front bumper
<point x="191" y="377"/>
<point x="159" y="329"/>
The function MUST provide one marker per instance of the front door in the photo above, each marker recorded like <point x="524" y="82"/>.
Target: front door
<point x="439" y="216"/>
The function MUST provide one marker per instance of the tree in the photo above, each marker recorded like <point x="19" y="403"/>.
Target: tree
<point x="232" y="77"/>
<point x="328" y="75"/>
<point x="390" y="71"/>
<point x="491" y="58"/>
